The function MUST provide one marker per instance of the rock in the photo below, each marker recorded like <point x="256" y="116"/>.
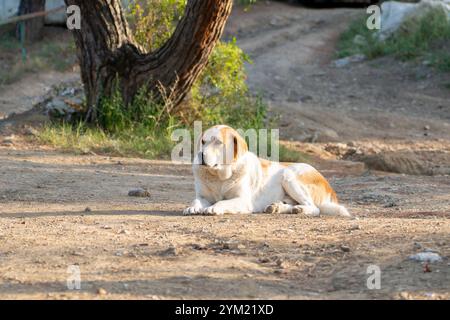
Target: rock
<point x="417" y="245"/>
<point x="102" y="291"/>
<point x="427" y="127"/>
<point x="359" y="40"/>
<point x="281" y="263"/>
<point x="390" y="204"/>
<point x="343" y="62"/>
<point x="87" y="209"/>
<point x="398" y="162"/>
<point x="264" y="260"/>
<point x="171" y="251"/>
<point x="296" y="96"/>
<point x="139" y="192"/>
<point x="394" y="14"/>
<point x="124" y="231"/>
<point x="426" y="257"/>
<point x="58" y="108"/>
<point x="279" y="271"/>
<point x="198" y="246"/>
<point x="338" y="149"/>
<point x="345" y="248"/>
<point x="143" y="245"/>
<point x="326" y="135"/>
<point x="30" y="131"/>
<point x="405" y="295"/>
<point x="8" y="141"/>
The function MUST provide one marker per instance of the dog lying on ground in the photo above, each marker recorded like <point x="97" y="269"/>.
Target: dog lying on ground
<point x="230" y="179"/>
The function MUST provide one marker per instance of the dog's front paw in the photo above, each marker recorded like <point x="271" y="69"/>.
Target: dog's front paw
<point x="273" y="208"/>
<point x="194" y="210"/>
<point x="213" y="211"/>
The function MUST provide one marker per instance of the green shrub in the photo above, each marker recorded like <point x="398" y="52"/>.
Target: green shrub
<point x="415" y="39"/>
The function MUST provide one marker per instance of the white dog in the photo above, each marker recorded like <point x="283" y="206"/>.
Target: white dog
<point x="230" y="179"/>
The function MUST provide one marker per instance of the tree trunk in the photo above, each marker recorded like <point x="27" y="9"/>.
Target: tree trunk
<point x="107" y="51"/>
<point x="33" y="28"/>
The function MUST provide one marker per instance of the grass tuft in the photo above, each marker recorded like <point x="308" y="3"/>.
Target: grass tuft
<point x="417" y="38"/>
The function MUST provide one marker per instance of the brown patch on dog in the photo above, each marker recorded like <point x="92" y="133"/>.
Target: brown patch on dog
<point x="318" y="187"/>
<point x="229" y="135"/>
<point x="265" y="165"/>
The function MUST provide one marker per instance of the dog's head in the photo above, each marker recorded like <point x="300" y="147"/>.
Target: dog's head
<point x="220" y="147"/>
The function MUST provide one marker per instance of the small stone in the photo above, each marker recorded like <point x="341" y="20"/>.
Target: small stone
<point x="143" y="244"/>
<point x="359" y="40"/>
<point x="198" y="246"/>
<point x="30" y="131"/>
<point x="106" y="227"/>
<point x="390" y="204"/>
<point x="139" y="192"/>
<point x="124" y="231"/>
<point x="282" y="263"/>
<point x="427" y="127"/>
<point x="340" y="63"/>
<point x="171" y="251"/>
<point x="405" y="295"/>
<point x="87" y="209"/>
<point x="426" y="257"/>
<point x="264" y="260"/>
<point x="7" y="142"/>
<point x="101" y="291"/>
<point x="345" y="248"/>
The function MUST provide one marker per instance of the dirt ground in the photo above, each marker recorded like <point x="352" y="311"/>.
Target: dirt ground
<point x="58" y="210"/>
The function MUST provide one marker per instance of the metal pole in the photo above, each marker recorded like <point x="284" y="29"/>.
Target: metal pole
<point x="22" y="40"/>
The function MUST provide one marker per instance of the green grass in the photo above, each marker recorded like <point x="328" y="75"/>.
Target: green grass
<point x="49" y="54"/>
<point x="416" y="39"/>
<point x="290" y="155"/>
<point x="82" y="139"/>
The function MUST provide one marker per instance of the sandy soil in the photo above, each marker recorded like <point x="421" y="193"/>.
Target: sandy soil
<point x="58" y="210"/>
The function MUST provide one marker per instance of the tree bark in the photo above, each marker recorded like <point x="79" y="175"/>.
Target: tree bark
<point x="33" y="28"/>
<point x="107" y="51"/>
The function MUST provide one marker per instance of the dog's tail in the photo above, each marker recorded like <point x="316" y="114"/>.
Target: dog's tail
<point x="334" y="209"/>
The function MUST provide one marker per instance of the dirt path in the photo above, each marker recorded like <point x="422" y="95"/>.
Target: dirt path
<point x="58" y="210"/>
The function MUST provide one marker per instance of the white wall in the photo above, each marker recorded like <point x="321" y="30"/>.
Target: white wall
<point x="8" y="8"/>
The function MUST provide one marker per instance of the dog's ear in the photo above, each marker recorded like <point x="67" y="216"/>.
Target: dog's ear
<point x="239" y="145"/>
